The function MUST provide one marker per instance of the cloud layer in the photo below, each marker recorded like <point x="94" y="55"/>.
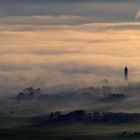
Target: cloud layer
<point x="43" y="55"/>
<point x="67" y="42"/>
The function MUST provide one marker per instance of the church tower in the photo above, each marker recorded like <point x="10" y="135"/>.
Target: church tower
<point x="126" y="73"/>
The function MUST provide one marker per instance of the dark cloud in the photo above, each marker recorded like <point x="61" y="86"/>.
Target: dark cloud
<point x="63" y="1"/>
<point x="98" y="10"/>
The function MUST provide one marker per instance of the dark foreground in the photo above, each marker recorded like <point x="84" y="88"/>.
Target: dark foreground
<point x="74" y="131"/>
<point x="72" y="126"/>
<point x="39" y="134"/>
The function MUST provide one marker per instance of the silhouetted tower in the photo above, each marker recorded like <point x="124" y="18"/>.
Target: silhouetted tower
<point x="126" y="73"/>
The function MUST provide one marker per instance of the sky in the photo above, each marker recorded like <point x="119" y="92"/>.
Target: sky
<point x="52" y="43"/>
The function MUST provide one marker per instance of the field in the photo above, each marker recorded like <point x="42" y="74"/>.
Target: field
<point x="27" y="129"/>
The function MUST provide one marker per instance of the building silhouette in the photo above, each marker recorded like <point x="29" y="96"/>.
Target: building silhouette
<point x="126" y="73"/>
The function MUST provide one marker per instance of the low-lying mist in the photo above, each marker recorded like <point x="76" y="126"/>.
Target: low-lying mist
<point x="68" y="99"/>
